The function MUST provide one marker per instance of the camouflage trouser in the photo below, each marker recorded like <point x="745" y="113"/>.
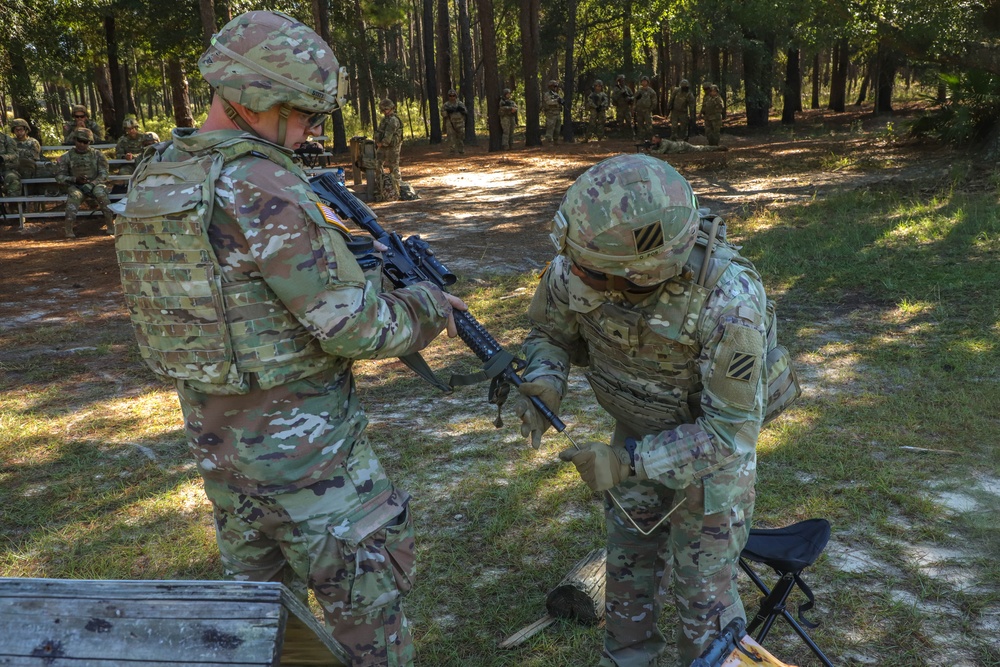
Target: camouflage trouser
<point x="75" y="194"/>
<point x="553" y="125"/>
<point x="713" y="130"/>
<point x="695" y="551"/>
<point x="679" y="127"/>
<point x="348" y="542"/>
<point x="126" y="169"/>
<point x="456" y="136"/>
<point x="12" y="183"/>
<point x="623" y="117"/>
<point x="388" y="158"/>
<point x="644" y="121"/>
<point x="507" y="125"/>
<point x="595" y="124"/>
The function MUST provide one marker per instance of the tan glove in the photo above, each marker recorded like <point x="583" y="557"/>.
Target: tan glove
<point x="602" y="467"/>
<point x="533" y="424"/>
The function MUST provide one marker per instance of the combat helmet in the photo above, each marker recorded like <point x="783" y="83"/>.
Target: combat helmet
<point x="620" y="77"/>
<point x="643" y="78"/>
<point x="684" y="83"/>
<point x="506" y="91"/>
<point x="150" y="138"/>
<point x="20" y="122"/>
<point x="452" y="93"/>
<point x="265" y="58"/>
<point x="553" y="83"/>
<point x="707" y="85"/>
<point x="632" y="216"/>
<point x="598" y="82"/>
<point x="130" y="122"/>
<point x="79" y="108"/>
<point x="83" y="134"/>
<point x="386" y="104"/>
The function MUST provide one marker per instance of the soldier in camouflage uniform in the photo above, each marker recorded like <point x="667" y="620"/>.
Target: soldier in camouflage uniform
<point x="454" y="114"/>
<point x="29" y="151"/>
<point x="682" y="109"/>
<point x="388" y="141"/>
<point x="81" y="119"/>
<point x="254" y="305"/>
<point x="130" y="145"/>
<point x="660" y="146"/>
<point x="508" y="119"/>
<point x="8" y="165"/>
<point x="713" y="109"/>
<point x="84" y="171"/>
<point x="677" y="359"/>
<point x="623" y="97"/>
<point x="645" y="101"/>
<point x="597" y="107"/>
<point x="552" y="104"/>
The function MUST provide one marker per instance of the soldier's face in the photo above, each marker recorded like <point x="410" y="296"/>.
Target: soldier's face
<point x="132" y="132"/>
<point x="645" y="84"/>
<point x="20" y="132"/>
<point x="301" y="124"/>
<point x="80" y="120"/>
<point x="82" y="145"/>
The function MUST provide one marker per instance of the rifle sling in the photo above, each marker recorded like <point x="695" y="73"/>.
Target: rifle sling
<point x="417" y="364"/>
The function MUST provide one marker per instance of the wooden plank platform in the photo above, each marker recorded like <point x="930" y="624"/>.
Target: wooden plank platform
<point x="57" y="622"/>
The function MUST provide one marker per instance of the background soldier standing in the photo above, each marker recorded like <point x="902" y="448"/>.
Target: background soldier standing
<point x="84" y="171"/>
<point x="645" y="100"/>
<point x="29" y="152"/>
<point x="454" y="112"/>
<point x="679" y="365"/>
<point x="261" y="347"/>
<point x="389" y="140"/>
<point x="552" y="104"/>
<point x="508" y="119"/>
<point x="597" y="106"/>
<point x="623" y="97"/>
<point x="129" y="146"/>
<point x="81" y="119"/>
<point x="682" y="110"/>
<point x="713" y="109"/>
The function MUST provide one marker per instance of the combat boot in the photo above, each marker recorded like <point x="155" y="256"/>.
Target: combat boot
<point x="109" y="223"/>
<point x="70" y="222"/>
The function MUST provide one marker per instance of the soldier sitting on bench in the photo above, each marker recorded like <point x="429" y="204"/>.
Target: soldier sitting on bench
<point x="84" y="172"/>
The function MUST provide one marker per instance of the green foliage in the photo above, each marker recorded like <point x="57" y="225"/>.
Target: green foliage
<point x="971" y="112"/>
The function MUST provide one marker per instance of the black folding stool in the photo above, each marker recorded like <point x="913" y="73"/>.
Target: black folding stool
<point x="787" y="551"/>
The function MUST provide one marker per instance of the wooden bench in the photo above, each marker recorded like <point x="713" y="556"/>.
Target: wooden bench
<point x="129" y="623"/>
<point x="23" y="214"/>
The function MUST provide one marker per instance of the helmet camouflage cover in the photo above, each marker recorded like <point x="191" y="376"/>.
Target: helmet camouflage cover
<point x="84" y="134"/>
<point x="620" y="77"/>
<point x="387" y="104"/>
<point x="598" y="82"/>
<point x="130" y="122"/>
<point x="19" y="122"/>
<point x="632" y="216"/>
<point x="79" y="108"/>
<point x="506" y="91"/>
<point x="684" y="83"/>
<point x="553" y="82"/>
<point x="151" y="137"/>
<point x="264" y="58"/>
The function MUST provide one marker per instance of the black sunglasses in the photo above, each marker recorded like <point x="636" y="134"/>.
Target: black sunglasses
<point x="75" y="116"/>
<point x="312" y="117"/>
<point x="82" y="141"/>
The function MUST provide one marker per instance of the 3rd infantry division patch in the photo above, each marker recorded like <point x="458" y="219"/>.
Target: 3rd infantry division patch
<point x="741" y="367"/>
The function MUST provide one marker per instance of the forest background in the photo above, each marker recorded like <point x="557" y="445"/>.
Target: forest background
<point x="138" y="57"/>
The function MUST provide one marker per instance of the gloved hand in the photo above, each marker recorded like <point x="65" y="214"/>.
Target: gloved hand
<point x="533" y="424"/>
<point x="601" y="466"/>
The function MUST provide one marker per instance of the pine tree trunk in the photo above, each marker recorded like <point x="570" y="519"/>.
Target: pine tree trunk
<point x="113" y="123"/>
<point x="430" y="74"/>
<point x="488" y="35"/>
<point x="103" y="84"/>
<point x="792" y="99"/>
<point x="530" y="47"/>
<point x="179" y="92"/>
<point x="838" y="77"/>
<point x="570" y="72"/>
<point x="468" y="90"/>
<point x="814" y="102"/>
<point x="758" y="61"/>
<point x="627" y="44"/>
<point x="206" y="8"/>
<point x="444" y="48"/>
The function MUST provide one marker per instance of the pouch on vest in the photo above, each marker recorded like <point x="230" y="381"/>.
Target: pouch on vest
<point x="174" y="293"/>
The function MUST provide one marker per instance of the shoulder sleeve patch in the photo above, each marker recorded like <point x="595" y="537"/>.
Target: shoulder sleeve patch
<point x="739" y="360"/>
<point x="331" y="217"/>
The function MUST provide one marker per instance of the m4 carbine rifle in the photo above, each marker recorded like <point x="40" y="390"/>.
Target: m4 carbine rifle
<point x="410" y="261"/>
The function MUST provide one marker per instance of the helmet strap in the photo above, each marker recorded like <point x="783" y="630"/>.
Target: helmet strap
<point x="235" y="118"/>
<point x="283" y="113"/>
